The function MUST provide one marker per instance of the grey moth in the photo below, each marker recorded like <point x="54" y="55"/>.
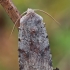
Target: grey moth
<point x="33" y="43"/>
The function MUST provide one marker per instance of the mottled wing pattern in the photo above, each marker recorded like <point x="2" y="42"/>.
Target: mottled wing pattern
<point x="34" y="51"/>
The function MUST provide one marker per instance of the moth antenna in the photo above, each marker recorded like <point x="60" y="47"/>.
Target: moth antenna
<point x="34" y="10"/>
<point x="48" y="15"/>
<point x="17" y="21"/>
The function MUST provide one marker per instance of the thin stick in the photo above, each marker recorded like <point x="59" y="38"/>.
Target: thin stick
<point x="11" y="10"/>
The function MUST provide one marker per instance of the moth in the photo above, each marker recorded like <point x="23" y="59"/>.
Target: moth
<point x="34" y="48"/>
<point x="33" y="42"/>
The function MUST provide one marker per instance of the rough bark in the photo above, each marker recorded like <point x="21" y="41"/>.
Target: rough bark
<point x="11" y="10"/>
<point x="34" y="49"/>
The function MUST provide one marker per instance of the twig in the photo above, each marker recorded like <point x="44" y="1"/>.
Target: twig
<point x="11" y="10"/>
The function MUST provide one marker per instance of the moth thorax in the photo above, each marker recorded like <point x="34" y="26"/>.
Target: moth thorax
<point x="30" y="11"/>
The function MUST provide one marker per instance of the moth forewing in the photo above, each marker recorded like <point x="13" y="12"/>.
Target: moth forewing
<point x="34" y="51"/>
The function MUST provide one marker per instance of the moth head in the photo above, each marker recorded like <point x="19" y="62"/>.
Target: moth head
<point x="30" y="11"/>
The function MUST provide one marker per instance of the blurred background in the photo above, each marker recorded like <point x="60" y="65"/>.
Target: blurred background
<point x="59" y="35"/>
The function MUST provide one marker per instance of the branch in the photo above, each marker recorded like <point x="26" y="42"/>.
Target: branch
<point x="11" y="10"/>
